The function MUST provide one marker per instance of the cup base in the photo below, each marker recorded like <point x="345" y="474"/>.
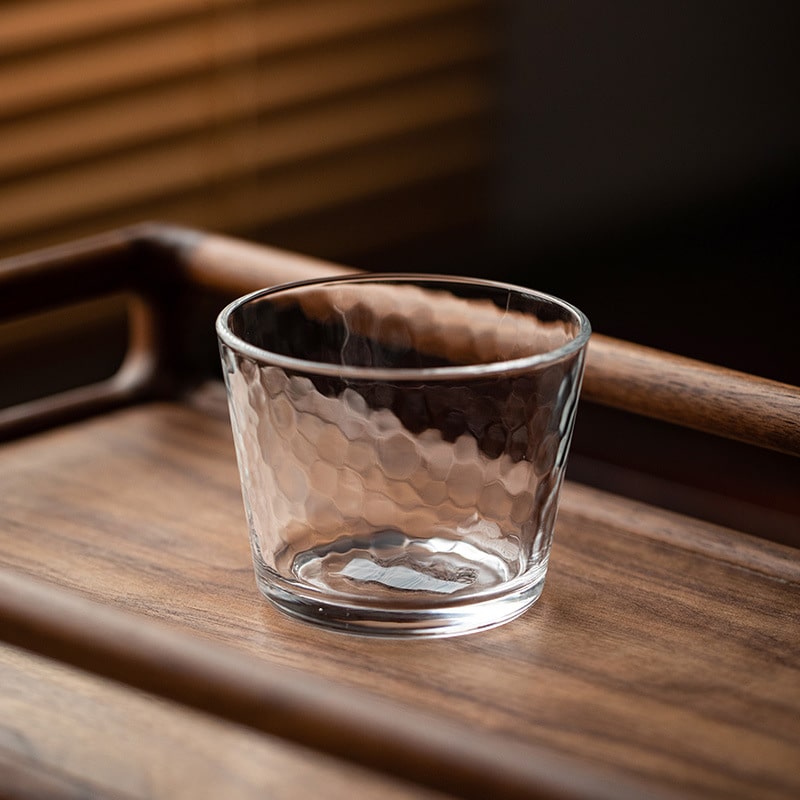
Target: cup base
<point x="398" y="614"/>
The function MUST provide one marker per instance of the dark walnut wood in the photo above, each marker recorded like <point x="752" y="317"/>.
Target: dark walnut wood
<point x="662" y="660"/>
<point x="159" y="265"/>
<point x="70" y="736"/>
<point x="693" y="394"/>
<point x="663" y="653"/>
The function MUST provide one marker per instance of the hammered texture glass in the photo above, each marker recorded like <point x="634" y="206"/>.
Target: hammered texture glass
<point x="401" y="443"/>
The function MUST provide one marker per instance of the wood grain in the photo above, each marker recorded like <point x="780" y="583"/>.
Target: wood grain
<point x="663" y="649"/>
<point x="619" y="374"/>
<point x="159" y="258"/>
<point x="68" y="735"/>
<point x="693" y="394"/>
<point x="298" y="708"/>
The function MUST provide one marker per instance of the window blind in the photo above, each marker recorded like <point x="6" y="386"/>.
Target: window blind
<point x="236" y="115"/>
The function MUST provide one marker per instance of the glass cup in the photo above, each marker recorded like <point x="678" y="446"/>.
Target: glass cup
<point x="401" y="442"/>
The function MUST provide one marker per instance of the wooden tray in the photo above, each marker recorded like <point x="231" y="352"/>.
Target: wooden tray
<point x="663" y="659"/>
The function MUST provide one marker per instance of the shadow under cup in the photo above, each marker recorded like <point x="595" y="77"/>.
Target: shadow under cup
<point x="401" y="442"/>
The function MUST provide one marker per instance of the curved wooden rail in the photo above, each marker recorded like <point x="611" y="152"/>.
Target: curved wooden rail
<point x="160" y="262"/>
<point x="161" y="265"/>
<point x="282" y="702"/>
<point x="693" y="394"/>
<point x="619" y="374"/>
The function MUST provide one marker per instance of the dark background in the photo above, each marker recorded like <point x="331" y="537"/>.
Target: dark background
<point x="647" y="167"/>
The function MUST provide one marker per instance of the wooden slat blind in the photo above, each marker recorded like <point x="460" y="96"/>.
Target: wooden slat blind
<point x="230" y="114"/>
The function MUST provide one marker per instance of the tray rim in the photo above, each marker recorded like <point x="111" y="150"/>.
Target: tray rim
<point x="160" y="264"/>
<point x="179" y="259"/>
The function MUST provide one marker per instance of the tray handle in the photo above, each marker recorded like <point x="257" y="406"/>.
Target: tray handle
<point x="155" y="261"/>
<point x="286" y="703"/>
<point x="57" y="277"/>
<point x="693" y="394"/>
<point x="619" y="374"/>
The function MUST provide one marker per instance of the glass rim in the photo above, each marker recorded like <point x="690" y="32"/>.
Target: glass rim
<point x="488" y="368"/>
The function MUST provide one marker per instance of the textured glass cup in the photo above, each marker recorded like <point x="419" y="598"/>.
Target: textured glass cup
<point x="401" y="442"/>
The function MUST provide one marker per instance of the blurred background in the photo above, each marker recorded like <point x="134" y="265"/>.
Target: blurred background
<point x="641" y="159"/>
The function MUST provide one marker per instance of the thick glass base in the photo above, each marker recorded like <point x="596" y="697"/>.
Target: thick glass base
<point x="408" y="588"/>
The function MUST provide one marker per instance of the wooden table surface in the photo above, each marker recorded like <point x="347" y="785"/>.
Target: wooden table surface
<point x="65" y="734"/>
<point x="664" y="653"/>
<point x="137" y="659"/>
